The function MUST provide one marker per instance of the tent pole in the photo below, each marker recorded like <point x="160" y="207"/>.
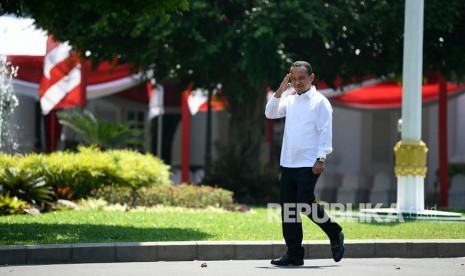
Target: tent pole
<point x="443" y="159"/>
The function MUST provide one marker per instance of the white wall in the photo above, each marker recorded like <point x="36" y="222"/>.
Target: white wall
<point x="457" y="153"/>
<point x="198" y="137"/>
<point x="24" y="124"/>
<point x="347" y="141"/>
<point x="455" y="136"/>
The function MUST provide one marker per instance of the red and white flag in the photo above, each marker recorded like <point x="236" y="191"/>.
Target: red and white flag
<point x="197" y="98"/>
<point x="155" y="93"/>
<point x="62" y="85"/>
<point x="198" y="101"/>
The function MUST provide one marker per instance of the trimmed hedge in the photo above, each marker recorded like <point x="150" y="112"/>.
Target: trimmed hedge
<point x="78" y="173"/>
<point x="183" y="195"/>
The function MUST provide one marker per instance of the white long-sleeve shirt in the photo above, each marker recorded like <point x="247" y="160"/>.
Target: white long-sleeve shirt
<point x="307" y="129"/>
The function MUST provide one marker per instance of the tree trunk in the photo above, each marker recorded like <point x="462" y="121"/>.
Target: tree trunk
<point x="238" y="167"/>
<point x="246" y="128"/>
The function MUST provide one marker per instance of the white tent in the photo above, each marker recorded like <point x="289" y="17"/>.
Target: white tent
<point x="19" y="36"/>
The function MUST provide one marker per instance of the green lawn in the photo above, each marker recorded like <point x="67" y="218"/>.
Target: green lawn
<point x="172" y="224"/>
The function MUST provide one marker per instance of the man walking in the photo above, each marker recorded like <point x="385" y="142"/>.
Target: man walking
<point x="306" y="142"/>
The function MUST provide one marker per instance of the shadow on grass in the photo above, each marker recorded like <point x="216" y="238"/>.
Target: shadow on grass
<point x="38" y="233"/>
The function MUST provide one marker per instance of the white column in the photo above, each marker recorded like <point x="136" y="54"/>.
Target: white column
<point x="410" y="188"/>
<point x="412" y="70"/>
<point x="410" y="194"/>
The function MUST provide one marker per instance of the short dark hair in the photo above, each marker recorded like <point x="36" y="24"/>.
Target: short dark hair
<point x="305" y="64"/>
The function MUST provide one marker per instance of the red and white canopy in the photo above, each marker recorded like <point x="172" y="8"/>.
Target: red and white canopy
<point x="107" y="79"/>
<point x="25" y="47"/>
<point x="386" y="94"/>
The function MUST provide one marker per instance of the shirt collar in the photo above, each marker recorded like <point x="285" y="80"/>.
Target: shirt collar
<point x="309" y="92"/>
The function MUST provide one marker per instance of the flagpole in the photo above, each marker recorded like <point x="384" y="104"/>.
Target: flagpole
<point x="443" y="159"/>
<point x="411" y="151"/>
<point x="186" y="135"/>
<point x="159" y="131"/>
<point x="155" y="95"/>
<point x="208" y="140"/>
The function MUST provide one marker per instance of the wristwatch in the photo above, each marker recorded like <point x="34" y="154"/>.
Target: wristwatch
<point x="321" y="159"/>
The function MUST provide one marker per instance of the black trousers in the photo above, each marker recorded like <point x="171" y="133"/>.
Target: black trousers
<point x="297" y="195"/>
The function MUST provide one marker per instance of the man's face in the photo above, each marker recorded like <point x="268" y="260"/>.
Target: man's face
<point x="300" y="79"/>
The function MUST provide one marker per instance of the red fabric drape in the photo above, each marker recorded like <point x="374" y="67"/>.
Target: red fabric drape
<point x="52" y="131"/>
<point x="186" y="135"/>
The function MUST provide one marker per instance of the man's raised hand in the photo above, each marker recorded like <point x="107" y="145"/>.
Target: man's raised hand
<point x="284" y="86"/>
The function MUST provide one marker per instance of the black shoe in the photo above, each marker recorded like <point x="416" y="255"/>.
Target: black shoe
<point x="288" y="260"/>
<point x="337" y="247"/>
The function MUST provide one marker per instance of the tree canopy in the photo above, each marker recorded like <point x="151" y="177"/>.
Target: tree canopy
<point x="101" y="30"/>
<point x="213" y="41"/>
<point x="247" y="45"/>
<point x="207" y="40"/>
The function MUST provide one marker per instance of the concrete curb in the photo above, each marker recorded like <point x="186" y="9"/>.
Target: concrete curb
<point x="221" y="250"/>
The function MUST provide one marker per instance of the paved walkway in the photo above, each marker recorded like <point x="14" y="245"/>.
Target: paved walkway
<point x="326" y="267"/>
<point x="208" y="251"/>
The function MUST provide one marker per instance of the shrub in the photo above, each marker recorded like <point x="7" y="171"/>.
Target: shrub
<point x="75" y="174"/>
<point x="181" y="196"/>
<point x="251" y="185"/>
<point x="26" y="186"/>
<point x="136" y="169"/>
<point x="98" y="132"/>
<point x="11" y="205"/>
<point x="80" y="171"/>
<point x="92" y="203"/>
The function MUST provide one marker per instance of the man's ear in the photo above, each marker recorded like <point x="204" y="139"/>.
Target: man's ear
<point x="312" y="77"/>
